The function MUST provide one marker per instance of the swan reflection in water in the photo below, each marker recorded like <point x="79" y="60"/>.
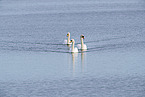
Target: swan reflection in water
<point x="77" y="62"/>
<point x="74" y="60"/>
<point x="82" y="61"/>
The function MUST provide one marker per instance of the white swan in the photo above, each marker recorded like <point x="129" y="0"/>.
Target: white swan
<point x="68" y="39"/>
<point x="73" y="49"/>
<point x="82" y="46"/>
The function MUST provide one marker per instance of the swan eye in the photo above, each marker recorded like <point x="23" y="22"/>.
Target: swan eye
<point x="83" y="37"/>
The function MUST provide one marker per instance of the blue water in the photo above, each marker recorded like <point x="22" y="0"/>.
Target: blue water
<point x="34" y="62"/>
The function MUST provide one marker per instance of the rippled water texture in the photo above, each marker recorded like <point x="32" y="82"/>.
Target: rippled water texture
<point x="34" y="62"/>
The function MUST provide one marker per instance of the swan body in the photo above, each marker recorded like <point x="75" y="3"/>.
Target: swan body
<point x="68" y="39"/>
<point x="82" y="46"/>
<point x="73" y="49"/>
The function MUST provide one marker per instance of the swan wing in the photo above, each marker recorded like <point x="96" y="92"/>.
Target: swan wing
<point x="79" y="46"/>
<point x="76" y="49"/>
<point x="73" y="51"/>
<point x="65" y="42"/>
<point x="85" y="46"/>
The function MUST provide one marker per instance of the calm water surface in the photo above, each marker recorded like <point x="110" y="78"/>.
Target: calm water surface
<point x="34" y="62"/>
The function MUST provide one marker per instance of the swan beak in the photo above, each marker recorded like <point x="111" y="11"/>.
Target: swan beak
<point x="83" y="37"/>
<point x="67" y="35"/>
<point x="71" y="41"/>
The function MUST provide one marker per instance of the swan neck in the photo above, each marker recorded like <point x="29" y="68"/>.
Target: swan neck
<point x="82" y="42"/>
<point x="68" y="40"/>
<point x="73" y="45"/>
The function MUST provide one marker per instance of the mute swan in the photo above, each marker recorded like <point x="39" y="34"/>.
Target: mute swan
<point x="68" y="39"/>
<point x="82" y="46"/>
<point x="73" y="49"/>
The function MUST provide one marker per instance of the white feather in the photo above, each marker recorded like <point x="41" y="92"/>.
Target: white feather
<point x="65" y="42"/>
<point x="79" y="46"/>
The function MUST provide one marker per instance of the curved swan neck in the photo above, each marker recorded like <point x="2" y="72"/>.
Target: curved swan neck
<point x="68" y="40"/>
<point x="73" y="45"/>
<point x="82" y="42"/>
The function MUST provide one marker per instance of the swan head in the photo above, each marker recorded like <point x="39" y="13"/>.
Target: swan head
<point x="68" y="34"/>
<point x="72" y="40"/>
<point x="82" y="36"/>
